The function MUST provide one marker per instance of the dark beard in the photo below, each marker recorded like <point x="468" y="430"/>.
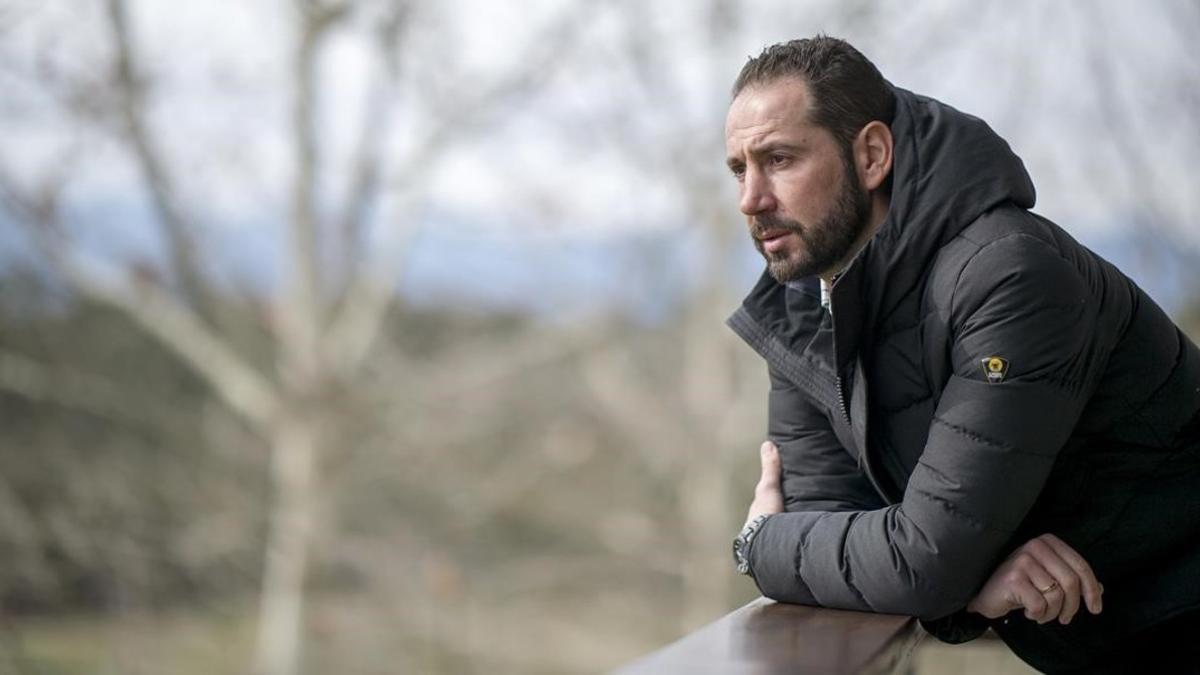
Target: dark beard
<point x="825" y="244"/>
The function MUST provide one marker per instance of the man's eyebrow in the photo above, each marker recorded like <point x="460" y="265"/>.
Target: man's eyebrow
<point x="765" y="149"/>
<point x="774" y="146"/>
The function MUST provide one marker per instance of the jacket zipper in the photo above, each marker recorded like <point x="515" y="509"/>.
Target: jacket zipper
<point x="842" y="400"/>
<point x="827" y="301"/>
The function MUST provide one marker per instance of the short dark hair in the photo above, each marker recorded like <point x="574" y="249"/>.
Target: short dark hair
<point x="846" y="91"/>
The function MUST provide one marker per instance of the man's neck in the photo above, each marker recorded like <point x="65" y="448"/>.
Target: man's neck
<point x="830" y="277"/>
<point x="878" y="213"/>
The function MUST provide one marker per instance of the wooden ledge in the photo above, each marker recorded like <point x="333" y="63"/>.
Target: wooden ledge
<point x="766" y="637"/>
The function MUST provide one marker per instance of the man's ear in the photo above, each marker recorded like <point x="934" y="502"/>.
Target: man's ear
<point x="873" y="154"/>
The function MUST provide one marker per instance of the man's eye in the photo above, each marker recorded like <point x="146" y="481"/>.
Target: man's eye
<point x="778" y="160"/>
<point x="739" y="172"/>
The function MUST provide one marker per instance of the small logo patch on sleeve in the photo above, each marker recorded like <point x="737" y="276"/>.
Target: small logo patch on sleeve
<point x="995" y="368"/>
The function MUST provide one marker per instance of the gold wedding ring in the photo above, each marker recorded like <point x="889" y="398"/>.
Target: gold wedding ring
<point x="1053" y="585"/>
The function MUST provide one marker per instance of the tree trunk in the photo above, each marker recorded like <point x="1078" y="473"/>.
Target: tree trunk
<point x="289" y="531"/>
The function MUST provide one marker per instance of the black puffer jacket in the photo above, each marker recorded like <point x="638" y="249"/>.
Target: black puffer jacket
<point x="910" y="471"/>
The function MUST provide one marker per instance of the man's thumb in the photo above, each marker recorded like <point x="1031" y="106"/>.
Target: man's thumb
<point x="770" y="463"/>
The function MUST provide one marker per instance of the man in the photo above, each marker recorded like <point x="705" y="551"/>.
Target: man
<point x="973" y="419"/>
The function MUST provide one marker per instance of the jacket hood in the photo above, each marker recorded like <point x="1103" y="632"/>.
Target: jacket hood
<point x="948" y="168"/>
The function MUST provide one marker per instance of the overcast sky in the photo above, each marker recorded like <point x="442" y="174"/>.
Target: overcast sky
<point x="1072" y="86"/>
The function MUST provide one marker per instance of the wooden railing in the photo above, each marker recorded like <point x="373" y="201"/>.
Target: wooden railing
<point x="765" y="637"/>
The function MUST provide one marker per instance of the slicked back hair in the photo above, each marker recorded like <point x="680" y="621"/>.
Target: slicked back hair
<point x="845" y="90"/>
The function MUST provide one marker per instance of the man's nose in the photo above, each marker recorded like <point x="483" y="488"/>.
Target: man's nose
<point x="756" y="195"/>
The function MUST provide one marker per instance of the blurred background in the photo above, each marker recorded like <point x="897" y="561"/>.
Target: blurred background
<point x="382" y="336"/>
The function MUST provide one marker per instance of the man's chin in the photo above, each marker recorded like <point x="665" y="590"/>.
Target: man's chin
<point x="784" y="270"/>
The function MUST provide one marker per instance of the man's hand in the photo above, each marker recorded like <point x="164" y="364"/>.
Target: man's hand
<point x="1046" y="577"/>
<point x="768" y="494"/>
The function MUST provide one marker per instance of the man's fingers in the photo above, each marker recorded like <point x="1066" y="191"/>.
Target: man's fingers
<point x="770" y="467"/>
<point x="1054" y="595"/>
<point x="1034" y="602"/>
<point x="1068" y="587"/>
<point x="1091" y="588"/>
<point x="1045" y="577"/>
<point x="1029" y="573"/>
<point x="1067" y="580"/>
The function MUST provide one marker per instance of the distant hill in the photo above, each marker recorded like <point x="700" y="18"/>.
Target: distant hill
<point x="561" y="272"/>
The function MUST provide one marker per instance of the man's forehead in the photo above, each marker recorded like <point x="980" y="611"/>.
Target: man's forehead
<point x="761" y="108"/>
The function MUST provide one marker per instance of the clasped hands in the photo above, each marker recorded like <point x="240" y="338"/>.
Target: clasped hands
<point x="1044" y="576"/>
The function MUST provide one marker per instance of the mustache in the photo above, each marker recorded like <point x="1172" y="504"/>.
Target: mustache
<point x="765" y="223"/>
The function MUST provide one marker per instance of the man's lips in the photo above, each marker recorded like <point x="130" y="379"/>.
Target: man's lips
<point x="768" y="235"/>
<point x="774" y="240"/>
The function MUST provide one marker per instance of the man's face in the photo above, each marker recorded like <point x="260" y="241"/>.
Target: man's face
<point x="801" y="194"/>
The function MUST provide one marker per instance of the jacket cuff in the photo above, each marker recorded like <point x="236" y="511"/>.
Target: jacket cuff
<point x="775" y="558"/>
<point x="957" y="628"/>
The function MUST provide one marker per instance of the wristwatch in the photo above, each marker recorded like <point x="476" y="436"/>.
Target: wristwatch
<point x="741" y="543"/>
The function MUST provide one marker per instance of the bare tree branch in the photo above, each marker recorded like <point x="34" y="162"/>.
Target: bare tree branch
<point x="366" y="166"/>
<point x="235" y="381"/>
<point x="652" y="424"/>
<point x="150" y="305"/>
<point x="355" y="328"/>
<point x="177" y="227"/>
<point x="297" y="328"/>
<point x="489" y="361"/>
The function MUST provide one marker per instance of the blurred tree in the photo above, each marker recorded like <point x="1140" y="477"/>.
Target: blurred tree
<point x="323" y="322"/>
<point x="688" y="416"/>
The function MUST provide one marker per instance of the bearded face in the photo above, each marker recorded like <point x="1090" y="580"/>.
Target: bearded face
<point x="804" y="200"/>
<point x="814" y="247"/>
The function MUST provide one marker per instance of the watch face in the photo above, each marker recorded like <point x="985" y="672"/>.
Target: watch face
<point x="742" y="541"/>
<point x="739" y="560"/>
